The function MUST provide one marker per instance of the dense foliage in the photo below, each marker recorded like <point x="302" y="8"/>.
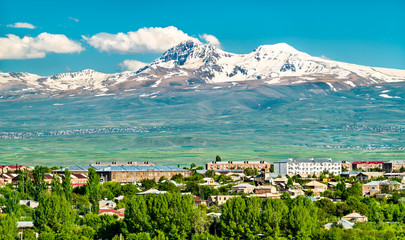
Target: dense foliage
<point x="67" y="213"/>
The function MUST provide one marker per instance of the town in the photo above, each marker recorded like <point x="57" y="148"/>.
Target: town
<point x="139" y="200"/>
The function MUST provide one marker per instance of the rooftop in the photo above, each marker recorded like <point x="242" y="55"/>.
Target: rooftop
<point x="121" y="168"/>
<point x="368" y="162"/>
<point x="308" y="160"/>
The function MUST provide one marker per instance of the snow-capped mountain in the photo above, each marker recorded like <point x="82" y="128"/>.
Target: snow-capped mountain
<point x="192" y="64"/>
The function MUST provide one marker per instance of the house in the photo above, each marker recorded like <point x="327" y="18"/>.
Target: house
<point x="296" y="192"/>
<point x="355" y="217"/>
<point x="119" y="212"/>
<point x="395" y="175"/>
<point x="344" y="223"/>
<point x="243" y="188"/>
<point x="7" y="178"/>
<point x="265" y="189"/>
<point x="220" y="199"/>
<point x="119" y="198"/>
<point x="198" y="201"/>
<point x="364" y="176"/>
<point x="210" y="182"/>
<point x="78" y="179"/>
<point x="279" y="180"/>
<point x="371" y="188"/>
<point x="22" y="225"/>
<point x="316" y="187"/>
<point x="29" y="203"/>
<point x="107" y="204"/>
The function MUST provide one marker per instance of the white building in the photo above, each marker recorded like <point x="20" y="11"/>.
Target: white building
<point x="307" y="166"/>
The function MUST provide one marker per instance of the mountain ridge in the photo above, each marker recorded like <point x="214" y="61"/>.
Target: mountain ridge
<point x="193" y="65"/>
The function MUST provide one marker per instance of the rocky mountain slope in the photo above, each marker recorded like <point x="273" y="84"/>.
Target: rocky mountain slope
<point x="193" y="65"/>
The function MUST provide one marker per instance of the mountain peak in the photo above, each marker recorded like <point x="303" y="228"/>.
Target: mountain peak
<point x="278" y="47"/>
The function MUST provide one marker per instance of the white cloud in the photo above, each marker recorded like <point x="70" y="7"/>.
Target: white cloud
<point x="211" y="39"/>
<point x="74" y="19"/>
<point x="132" y="65"/>
<point x="21" y="25"/>
<point x="144" y="40"/>
<point x="14" y="47"/>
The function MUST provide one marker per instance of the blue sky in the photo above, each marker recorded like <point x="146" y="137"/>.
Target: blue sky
<point x="362" y="32"/>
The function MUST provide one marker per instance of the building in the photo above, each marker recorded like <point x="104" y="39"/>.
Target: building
<point x="243" y="188"/>
<point x="237" y="165"/>
<point x="107" y="204"/>
<point x="365" y="176"/>
<point x="29" y="203"/>
<point x="355" y="217"/>
<point x="349" y="174"/>
<point x="78" y="179"/>
<point x="119" y="212"/>
<point x="198" y="201"/>
<point x="393" y="166"/>
<point x="344" y="223"/>
<point x="137" y="164"/>
<point x="296" y="192"/>
<point x="265" y="189"/>
<point x="367" y="165"/>
<point x="371" y="188"/>
<point x="307" y="166"/>
<point x="220" y="199"/>
<point x="13" y="168"/>
<point x="347" y="165"/>
<point x="316" y="187"/>
<point x="129" y="174"/>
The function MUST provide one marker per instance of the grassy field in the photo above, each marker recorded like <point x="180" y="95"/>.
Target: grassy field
<point x="193" y="127"/>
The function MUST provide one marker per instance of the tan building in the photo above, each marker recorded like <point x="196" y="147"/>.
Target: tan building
<point x="367" y="165"/>
<point x="237" y="165"/>
<point x="347" y="165"/>
<point x="371" y="188"/>
<point x="78" y="179"/>
<point x="393" y="166"/>
<point x="220" y="199"/>
<point x="355" y="217"/>
<point x="129" y="174"/>
<point x="243" y="188"/>
<point x="316" y="187"/>
<point x="13" y="168"/>
<point x="265" y="189"/>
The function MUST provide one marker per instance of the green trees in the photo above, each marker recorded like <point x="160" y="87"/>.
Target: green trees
<point x="218" y="158"/>
<point x="54" y="215"/>
<point x="240" y="218"/>
<point x="8" y="227"/>
<point x="93" y="189"/>
<point x="273" y="217"/>
<point x="302" y="218"/>
<point x="67" y="185"/>
<point x="55" y="185"/>
<point x="148" y="184"/>
<point x="250" y="171"/>
<point x="38" y="181"/>
<point x="173" y="214"/>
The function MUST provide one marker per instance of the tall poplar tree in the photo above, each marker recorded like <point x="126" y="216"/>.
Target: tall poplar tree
<point x="67" y="185"/>
<point x="93" y="189"/>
